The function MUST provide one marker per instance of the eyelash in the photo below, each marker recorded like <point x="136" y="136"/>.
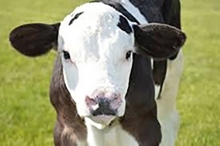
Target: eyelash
<point x="66" y="55"/>
<point x="128" y="55"/>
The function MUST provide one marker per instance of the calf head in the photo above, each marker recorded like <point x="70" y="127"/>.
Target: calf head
<point x="97" y="48"/>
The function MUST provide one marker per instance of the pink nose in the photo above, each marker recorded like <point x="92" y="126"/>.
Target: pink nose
<point x="104" y="104"/>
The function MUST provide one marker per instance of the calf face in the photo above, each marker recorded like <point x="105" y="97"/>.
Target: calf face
<point x="96" y="49"/>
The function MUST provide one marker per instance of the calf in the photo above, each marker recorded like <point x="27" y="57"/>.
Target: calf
<point x="111" y="64"/>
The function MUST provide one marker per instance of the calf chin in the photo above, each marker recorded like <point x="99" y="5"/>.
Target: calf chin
<point x="100" y="122"/>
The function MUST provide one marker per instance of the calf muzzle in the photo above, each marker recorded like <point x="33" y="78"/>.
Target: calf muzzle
<point x="104" y="104"/>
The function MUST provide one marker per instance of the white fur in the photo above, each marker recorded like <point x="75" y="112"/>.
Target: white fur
<point x="113" y="136"/>
<point x="157" y="90"/>
<point x="152" y="63"/>
<point x="98" y="48"/>
<point x="134" y="11"/>
<point x="167" y="114"/>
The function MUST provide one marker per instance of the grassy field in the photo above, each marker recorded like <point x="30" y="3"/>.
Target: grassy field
<point x="26" y="115"/>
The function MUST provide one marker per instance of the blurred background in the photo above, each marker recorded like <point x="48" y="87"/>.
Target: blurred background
<point x="26" y="115"/>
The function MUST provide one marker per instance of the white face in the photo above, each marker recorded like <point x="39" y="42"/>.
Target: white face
<point x="100" y="61"/>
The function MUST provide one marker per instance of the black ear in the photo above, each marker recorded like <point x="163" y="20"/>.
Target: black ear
<point x="34" y="39"/>
<point x="159" y="41"/>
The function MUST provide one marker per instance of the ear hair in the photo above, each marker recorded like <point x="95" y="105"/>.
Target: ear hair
<point x="34" y="39"/>
<point x="159" y="41"/>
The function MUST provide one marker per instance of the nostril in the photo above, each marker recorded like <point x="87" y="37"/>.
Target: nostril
<point x="115" y="99"/>
<point x="116" y="102"/>
<point x="90" y="102"/>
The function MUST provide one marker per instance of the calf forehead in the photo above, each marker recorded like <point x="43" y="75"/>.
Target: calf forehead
<point x="88" y="32"/>
<point x="90" y="20"/>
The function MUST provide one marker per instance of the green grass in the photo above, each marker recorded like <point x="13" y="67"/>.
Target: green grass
<point x="26" y="115"/>
<point x="199" y="96"/>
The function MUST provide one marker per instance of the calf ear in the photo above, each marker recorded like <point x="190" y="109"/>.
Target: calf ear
<point x="159" y="41"/>
<point x="34" y="39"/>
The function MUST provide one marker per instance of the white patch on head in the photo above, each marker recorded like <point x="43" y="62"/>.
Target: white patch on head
<point x="98" y="48"/>
<point x="134" y="11"/>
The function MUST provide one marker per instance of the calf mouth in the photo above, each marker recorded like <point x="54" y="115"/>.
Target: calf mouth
<point x="103" y="115"/>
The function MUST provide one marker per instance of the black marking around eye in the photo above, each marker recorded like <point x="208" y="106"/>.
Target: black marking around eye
<point x="75" y="17"/>
<point x="124" y="25"/>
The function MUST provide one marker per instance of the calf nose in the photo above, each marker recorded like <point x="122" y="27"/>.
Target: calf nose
<point x="103" y="104"/>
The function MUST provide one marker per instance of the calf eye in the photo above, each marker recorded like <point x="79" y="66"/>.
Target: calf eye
<point x="66" y="55"/>
<point x="128" y="55"/>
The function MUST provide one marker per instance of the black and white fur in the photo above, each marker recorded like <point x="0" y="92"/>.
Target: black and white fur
<point x="102" y="86"/>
